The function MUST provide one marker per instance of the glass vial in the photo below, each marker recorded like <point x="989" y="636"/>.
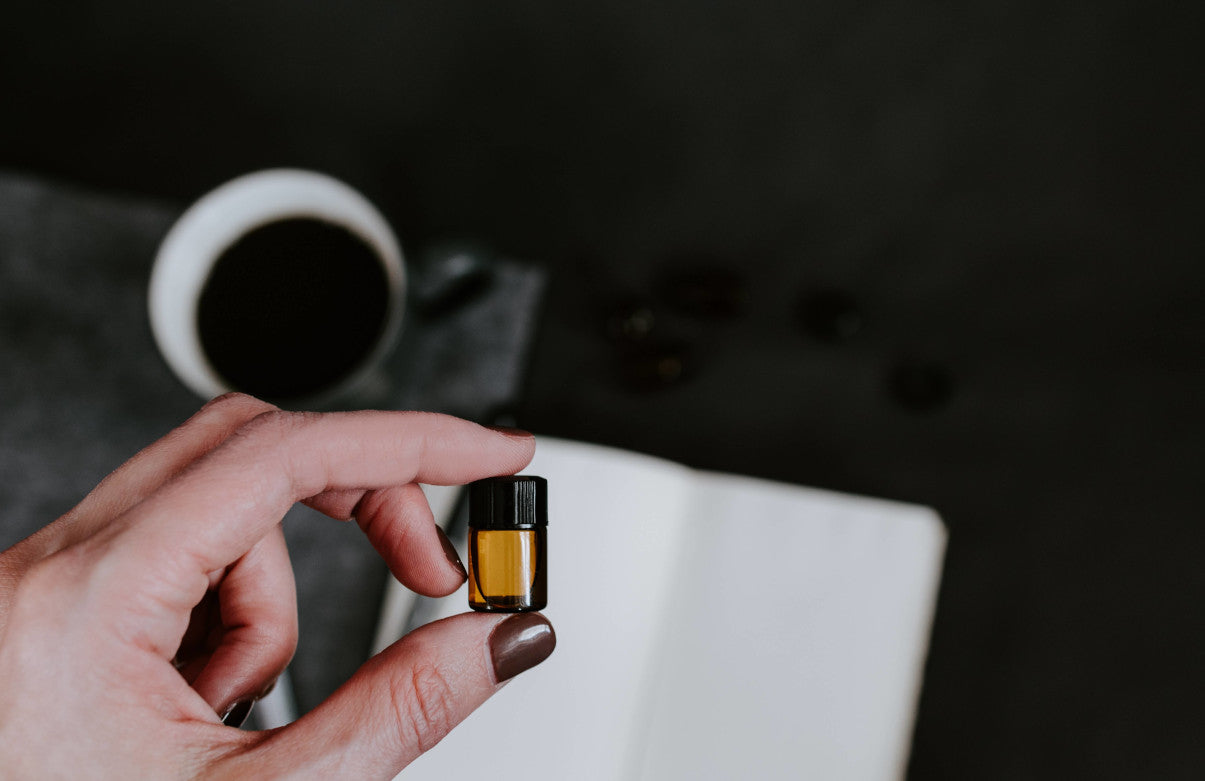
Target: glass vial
<point x="508" y="520"/>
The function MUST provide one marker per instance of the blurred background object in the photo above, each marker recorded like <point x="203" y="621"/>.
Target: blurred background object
<point x="964" y="247"/>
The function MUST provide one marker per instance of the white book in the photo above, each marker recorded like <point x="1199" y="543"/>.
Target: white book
<point x="709" y="626"/>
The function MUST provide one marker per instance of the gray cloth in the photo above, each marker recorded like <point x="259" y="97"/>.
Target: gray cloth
<point x="83" y="387"/>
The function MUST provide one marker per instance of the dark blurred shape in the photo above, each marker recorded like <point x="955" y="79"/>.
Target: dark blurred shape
<point x="831" y="316"/>
<point x="449" y="276"/>
<point x="630" y="321"/>
<point x="655" y="365"/>
<point x="703" y="289"/>
<point x="920" y="386"/>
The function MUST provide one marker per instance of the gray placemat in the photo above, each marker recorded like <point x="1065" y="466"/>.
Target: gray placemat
<point x="82" y="385"/>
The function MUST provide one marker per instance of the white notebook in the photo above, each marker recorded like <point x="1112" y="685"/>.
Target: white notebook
<point x="709" y="626"/>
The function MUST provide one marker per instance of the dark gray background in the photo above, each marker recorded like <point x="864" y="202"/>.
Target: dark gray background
<point x="1009" y="191"/>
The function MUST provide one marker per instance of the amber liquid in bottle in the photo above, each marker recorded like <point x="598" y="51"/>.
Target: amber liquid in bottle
<point x="506" y="569"/>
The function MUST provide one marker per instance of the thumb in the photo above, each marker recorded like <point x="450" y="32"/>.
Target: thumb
<point x="406" y="698"/>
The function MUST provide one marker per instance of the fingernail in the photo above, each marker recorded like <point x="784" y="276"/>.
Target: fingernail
<point x="238" y="713"/>
<point x="520" y="643"/>
<point x="510" y="431"/>
<point x="450" y="552"/>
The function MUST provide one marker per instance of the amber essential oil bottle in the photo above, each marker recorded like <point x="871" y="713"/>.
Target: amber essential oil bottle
<point x="508" y="523"/>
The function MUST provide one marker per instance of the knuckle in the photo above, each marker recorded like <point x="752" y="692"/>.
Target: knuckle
<point x="234" y="403"/>
<point x="271" y="421"/>
<point x="271" y="438"/>
<point x="45" y="580"/>
<point x="422" y="706"/>
<point x="37" y="582"/>
<point x="283" y="644"/>
<point x="274" y="425"/>
<point x="275" y="650"/>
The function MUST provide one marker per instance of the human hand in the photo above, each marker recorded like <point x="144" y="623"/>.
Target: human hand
<point x="166" y="597"/>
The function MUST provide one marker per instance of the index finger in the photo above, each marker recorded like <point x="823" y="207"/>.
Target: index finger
<point x="217" y="509"/>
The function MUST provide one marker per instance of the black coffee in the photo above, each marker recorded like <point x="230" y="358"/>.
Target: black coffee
<point x="291" y="308"/>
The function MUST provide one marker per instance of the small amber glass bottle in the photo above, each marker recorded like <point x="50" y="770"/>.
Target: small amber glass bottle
<point x="508" y="520"/>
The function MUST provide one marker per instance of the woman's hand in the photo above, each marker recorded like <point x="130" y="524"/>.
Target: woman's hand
<point x="166" y="598"/>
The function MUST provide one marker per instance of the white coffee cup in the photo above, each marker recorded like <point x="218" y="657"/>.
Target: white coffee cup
<point x="213" y="224"/>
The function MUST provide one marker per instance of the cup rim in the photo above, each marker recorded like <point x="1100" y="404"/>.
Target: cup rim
<point x="214" y="222"/>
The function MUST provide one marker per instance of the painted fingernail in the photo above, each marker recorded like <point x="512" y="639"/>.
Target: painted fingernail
<point x="238" y="713"/>
<point x="450" y="552"/>
<point x="511" y="431"/>
<point x="520" y="643"/>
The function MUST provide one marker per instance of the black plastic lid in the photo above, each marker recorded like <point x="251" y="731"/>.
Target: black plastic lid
<point x="510" y="502"/>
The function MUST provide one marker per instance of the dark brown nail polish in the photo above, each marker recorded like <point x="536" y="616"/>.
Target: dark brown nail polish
<point x="238" y="713"/>
<point x="520" y="643"/>
<point x="450" y="552"/>
<point x="511" y="431"/>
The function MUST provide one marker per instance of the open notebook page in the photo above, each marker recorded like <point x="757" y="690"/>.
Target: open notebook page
<point x="709" y="627"/>
<point x="796" y="637"/>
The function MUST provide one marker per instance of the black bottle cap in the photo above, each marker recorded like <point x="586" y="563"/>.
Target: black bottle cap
<point x="515" y="501"/>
